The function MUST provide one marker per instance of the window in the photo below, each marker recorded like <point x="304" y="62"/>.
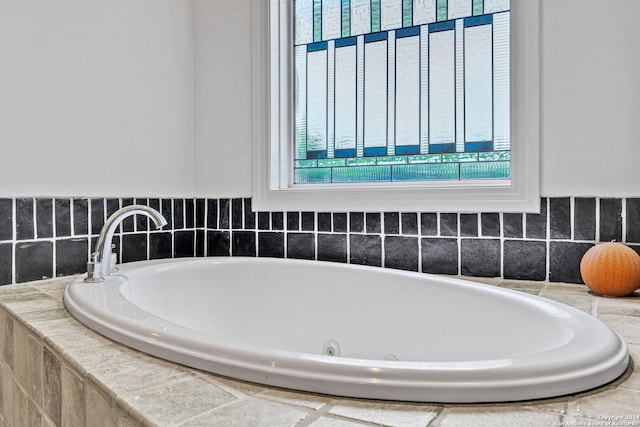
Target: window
<point x="396" y="105"/>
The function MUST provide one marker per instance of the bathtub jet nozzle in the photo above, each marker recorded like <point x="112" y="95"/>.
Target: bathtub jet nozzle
<point x="99" y="266"/>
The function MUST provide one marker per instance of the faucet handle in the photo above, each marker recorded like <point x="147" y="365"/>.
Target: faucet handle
<point x="94" y="274"/>
<point x="113" y="261"/>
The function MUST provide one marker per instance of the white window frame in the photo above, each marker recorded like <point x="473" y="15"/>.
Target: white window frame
<point x="272" y="110"/>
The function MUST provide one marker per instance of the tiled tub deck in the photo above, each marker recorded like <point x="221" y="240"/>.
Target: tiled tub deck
<point x="56" y="372"/>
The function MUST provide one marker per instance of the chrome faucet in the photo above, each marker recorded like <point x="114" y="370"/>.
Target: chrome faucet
<point x="99" y="266"/>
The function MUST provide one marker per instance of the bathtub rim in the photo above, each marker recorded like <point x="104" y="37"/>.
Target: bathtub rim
<point x="345" y="376"/>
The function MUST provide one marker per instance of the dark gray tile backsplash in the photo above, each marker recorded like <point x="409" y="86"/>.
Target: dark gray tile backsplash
<point x="47" y="237"/>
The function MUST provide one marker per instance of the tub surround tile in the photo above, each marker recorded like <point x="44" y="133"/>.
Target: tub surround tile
<point x="324" y="222"/>
<point x="200" y="213"/>
<point x="480" y="257"/>
<point x="530" y="287"/>
<point x="218" y="243"/>
<point x="564" y="261"/>
<point x="448" y="224"/>
<point x="429" y="224"/>
<point x="237" y="220"/>
<point x="334" y="422"/>
<point x="580" y="301"/>
<point x="224" y="213"/>
<point x="498" y="417"/>
<point x="76" y="339"/>
<point x="250" y="413"/>
<point x="277" y="220"/>
<point x="105" y="356"/>
<point x="243" y="243"/>
<point x="212" y="213"/>
<point x="264" y="221"/>
<point x="141" y="222"/>
<point x="46" y="315"/>
<point x="134" y="248"/>
<point x="440" y="256"/>
<point x="184" y="243"/>
<point x="6" y="219"/>
<point x="201" y="243"/>
<point x="391" y="223"/>
<point x="401" y="253"/>
<point x="97" y="214"/>
<point x="308" y="221"/>
<point x="469" y="225"/>
<point x="156" y="204"/>
<point x="100" y="409"/>
<point x="112" y="205"/>
<point x="174" y="409"/>
<point x="271" y="244"/>
<point x="72" y="411"/>
<point x="57" y="326"/>
<point x="6" y="263"/>
<point x="62" y="217"/>
<point x="409" y="223"/>
<point x="305" y="400"/>
<point x="610" y="220"/>
<point x="179" y="214"/>
<point x="166" y="209"/>
<point x="387" y="413"/>
<point x="25" y="226"/>
<point x="627" y="326"/>
<point x="128" y="225"/>
<point x="20" y="366"/>
<point x="160" y="245"/>
<point x="584" y="226"/>
<point x="536" y="224"/>
<point x="240" y="389"/>
<point x="560" y="218"/>
<point x="190" y="215"/>
<point x="373" y="222"/>
<point x="301" y="245"/>
<point x="9" y="389"/>
<point x="632" y="230"/>
<point x="490" y="224"/>
<point x="293" y="221"/>
<point x="525" y="260"/>
<point x="356" y="222"/>
<point x="21" y="407"/>
<point x="340" y="222"/>
<point x="627" y="306"/>
<point x="129" y="380"/>
<point x="34" y="260"/>
<point x="611" y="402"/>
<point x="365" y="249"/>
<point x="52" y="386"/>
<point x="70" y="256"/>
<point x="231" y="225"/>
<point x="512" y="225"/>
<point x="80" y="217"/>
<point x="332" y="247"/>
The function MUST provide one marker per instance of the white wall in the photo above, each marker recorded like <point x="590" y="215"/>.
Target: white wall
<point x="590" y="98"/>
<point x="96" y="97"/>
<point x="223" y="97"/>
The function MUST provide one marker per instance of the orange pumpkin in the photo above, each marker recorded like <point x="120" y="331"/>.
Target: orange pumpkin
<point x="611" y="269"/>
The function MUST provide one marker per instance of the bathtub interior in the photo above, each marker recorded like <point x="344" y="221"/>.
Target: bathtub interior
<point x="369" y="313"/>
<point x="399" y="335"/>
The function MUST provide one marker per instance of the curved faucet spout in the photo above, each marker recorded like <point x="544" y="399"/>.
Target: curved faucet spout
<point x="100" y="264"/>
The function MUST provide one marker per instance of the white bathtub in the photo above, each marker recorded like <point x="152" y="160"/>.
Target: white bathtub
<point x="352" y="331"/>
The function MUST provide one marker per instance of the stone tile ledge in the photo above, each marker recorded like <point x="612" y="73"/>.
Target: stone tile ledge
<point x="54" y="371"/>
